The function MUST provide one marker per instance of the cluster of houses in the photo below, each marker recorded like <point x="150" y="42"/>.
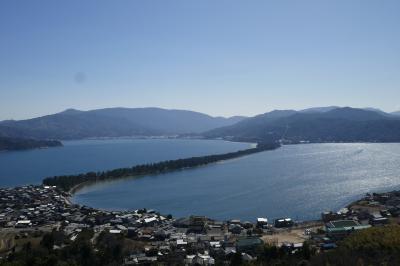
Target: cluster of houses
<point x="192" y="240"/>
<point x="32" y="206"/>
<point x="377" y="209"/>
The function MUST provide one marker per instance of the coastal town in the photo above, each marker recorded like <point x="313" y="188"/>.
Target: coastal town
<point x="28" y="213"/>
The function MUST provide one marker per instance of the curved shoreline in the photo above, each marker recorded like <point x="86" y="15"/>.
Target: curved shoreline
<point x="72" y="183"/>
<point x="345" y="204"/>
<point x="305" y="222"/>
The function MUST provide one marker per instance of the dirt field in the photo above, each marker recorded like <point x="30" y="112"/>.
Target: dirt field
<point x="363" y="206"/>
<point x="6" y="241"/>
<point x="294" y="235"/>
<point x="8" y="238"/>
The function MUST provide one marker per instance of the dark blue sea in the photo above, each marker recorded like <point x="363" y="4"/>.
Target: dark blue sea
<point x="299" y="181"/>
<point x="31" y="167"/>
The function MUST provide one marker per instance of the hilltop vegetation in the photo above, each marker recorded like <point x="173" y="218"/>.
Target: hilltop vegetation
<point x="108" y="250"/>
<point x="25" y="144"/>
<point x="373" y="246"/>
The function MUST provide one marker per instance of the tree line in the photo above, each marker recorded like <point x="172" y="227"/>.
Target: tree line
<point x="68" y="182"/>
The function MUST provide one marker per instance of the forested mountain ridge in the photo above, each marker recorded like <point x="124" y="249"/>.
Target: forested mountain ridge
<point x="113" y="122"/>
<point x="335" y="125"/>
<point x="318" y="124"/>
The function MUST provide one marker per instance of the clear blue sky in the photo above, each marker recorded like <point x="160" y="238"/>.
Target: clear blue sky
<point x="218" y="57"/>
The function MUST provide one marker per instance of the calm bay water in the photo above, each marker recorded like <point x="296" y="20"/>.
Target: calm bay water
<point x="299" y="181"/>
<point x="30" y="167"/>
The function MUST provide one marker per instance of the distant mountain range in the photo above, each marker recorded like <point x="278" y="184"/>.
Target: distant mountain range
<point x="326" y="124"/>
<point x="25" y="144"/>
<point x="317" y="124"/>
<point x="113" y="122"/>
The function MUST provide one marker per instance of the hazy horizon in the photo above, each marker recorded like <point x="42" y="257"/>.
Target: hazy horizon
<point x="198" y="111"/>
<point x="219" y="58"/>
<point x="237" y="115"/>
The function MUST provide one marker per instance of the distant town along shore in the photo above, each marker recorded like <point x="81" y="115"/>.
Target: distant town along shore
<point x="73" y="182"/>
